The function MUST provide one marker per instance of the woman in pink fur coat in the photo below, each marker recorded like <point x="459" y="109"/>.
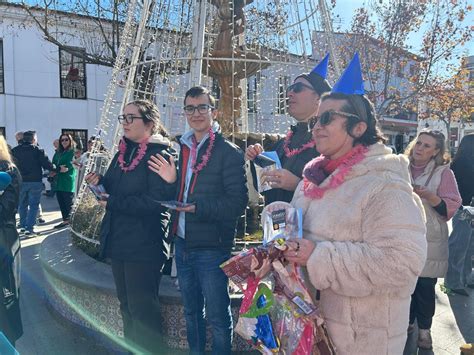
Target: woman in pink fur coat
<point x="364" y="229"/>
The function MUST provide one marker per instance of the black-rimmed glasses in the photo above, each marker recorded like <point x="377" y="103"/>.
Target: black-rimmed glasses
<point x="298" y="87"/>
<point x="202" y="109"/>
<point x="128" y="118"/>
<point x="328" y="116"/>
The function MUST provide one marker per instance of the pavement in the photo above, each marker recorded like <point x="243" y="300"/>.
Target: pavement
<point x="45" y="332"/>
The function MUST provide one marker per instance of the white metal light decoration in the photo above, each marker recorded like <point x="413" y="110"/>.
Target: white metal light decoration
<point x="246" y="51"/>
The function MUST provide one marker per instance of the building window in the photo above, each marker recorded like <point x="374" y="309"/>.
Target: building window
<point x="2" y="83"/>
<point x="2" y="131"/>
<point x="79" y="136"/>
<point x="400" y="67"/>
<point x="283" y="82"/>
<point x="252" y="92"/>
<point x="72" y="68"/>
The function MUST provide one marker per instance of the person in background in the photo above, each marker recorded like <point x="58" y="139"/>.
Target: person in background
<point x="77" y="162"/>
<point x="31" y="160"/>
<point x="212" y="181"/>
<point x="19" y="137"/>
<point x="65" y="175"/>
<point x="297" y="148"/>
<point x="10" y="316"/>
<point x="461" y="240"/>
<point x="51" y="180"/>
<point x="433" y="181"/>
<point x="134" y="231"/>
<point x="363" y="243"/>
<point x="82" y="161"/>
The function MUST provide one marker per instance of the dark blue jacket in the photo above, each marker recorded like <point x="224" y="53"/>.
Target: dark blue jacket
<point x="220" y="194"/>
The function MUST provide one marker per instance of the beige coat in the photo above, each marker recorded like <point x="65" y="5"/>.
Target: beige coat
<point x="370" y="249"/>
<point x="436" y="227"/>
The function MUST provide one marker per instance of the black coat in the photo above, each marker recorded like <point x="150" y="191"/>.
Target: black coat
<point x="10" y="316"/>
<point x="220" y="194"/>
<point x="464" y="173"/>
<point x="295" y="164"/>
<point x="135" y="225"/>
<point x="31" y="160"/>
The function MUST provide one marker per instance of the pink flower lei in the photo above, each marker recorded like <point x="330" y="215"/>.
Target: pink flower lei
<point x="206" y="156"/>
<point x="336" y="179"/>
<point x="292" y="152"/>
<point x="141" y="153"/>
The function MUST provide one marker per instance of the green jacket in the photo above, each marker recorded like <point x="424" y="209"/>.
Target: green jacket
<point x="65" y="181"/>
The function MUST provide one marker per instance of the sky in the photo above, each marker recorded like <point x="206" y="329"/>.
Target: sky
<point x="345" y="9"/>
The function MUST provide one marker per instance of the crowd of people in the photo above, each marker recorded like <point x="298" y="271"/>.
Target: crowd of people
<point x="375" y="235"/>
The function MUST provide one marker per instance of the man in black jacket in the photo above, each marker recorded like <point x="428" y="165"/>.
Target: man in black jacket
<point x="30" y="160"/>
<point x="212" y="179"/>
<point x="297" y="148"/>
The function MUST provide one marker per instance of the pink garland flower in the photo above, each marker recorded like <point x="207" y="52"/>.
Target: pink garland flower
<point x="206" y="156"/>
<point x="336" y="179"/>
<point x="292" y="152"/>
<point x="141" y="153"/>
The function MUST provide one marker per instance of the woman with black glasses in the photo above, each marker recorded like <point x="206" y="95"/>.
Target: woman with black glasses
<point x="363" y="243"/>
<point x="134" y="230"/>
<point x="434" y="182"/>
<point x="297" y="148"/>
<point x="65" y="174"/>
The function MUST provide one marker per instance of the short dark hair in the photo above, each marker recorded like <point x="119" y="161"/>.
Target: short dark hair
<point x="150" y="113"/>
<point x="29" y="136"/>
<point x="362" y="107"/>
<point x="196" y="91"/>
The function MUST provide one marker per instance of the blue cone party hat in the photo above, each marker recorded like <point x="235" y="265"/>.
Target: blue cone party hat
<point x="322" y="68"/>
<point x="351" y="82"/>
<point x="317" y="76"/>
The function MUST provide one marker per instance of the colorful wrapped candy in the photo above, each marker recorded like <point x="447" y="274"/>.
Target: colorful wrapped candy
<point x="277" y="314"/>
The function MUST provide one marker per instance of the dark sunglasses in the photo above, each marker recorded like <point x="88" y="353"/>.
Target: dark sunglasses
<point x="128" y="118"/>
<point x="298" y="87"/>
<point x="327" y="117"/>
<point x="65" y="140"/>
<point x="202" y="109"/>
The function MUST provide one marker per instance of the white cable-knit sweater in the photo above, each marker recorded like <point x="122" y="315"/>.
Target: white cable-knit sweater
<point x="370" y="249"/>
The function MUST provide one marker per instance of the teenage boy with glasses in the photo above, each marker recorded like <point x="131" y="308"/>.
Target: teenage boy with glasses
<point x="297" y="148"/>
<point x="211" y="178"/>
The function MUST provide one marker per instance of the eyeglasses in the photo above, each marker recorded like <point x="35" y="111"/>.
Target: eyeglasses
<point x="327" y="117"/>
<point x="298" y="87"/>
<point x="65" y="140"/>
<point x="128" y="118"/>
<point x="202" y="109"/>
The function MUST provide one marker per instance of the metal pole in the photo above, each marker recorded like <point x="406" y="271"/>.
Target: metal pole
<point x="197" y="42"/>
<point x="327" y="24"/>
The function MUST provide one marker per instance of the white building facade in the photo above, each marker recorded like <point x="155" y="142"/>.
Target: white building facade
<point x="43" y="88"/>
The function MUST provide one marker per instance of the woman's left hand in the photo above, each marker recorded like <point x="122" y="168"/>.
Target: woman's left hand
<point x="160" y="165"/>
<point x="282" y="179"/>
<point x="427" y="195"/>
<point x="299" y="250"/>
